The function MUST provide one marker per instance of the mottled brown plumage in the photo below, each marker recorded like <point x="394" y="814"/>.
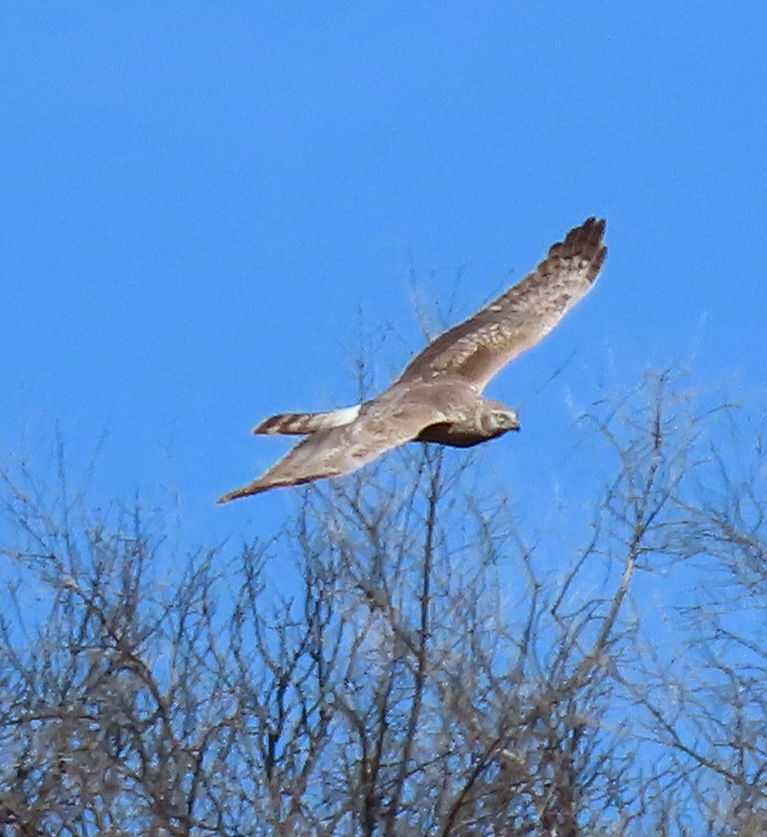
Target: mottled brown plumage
<point x="438" y="398"/>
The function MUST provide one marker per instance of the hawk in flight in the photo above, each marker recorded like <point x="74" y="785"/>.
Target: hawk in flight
<point x="438" y="398"/>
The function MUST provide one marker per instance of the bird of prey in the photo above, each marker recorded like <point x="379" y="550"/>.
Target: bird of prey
<point x="438" y="398"/>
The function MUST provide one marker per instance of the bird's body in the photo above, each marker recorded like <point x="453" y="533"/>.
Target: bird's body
<point x="438" y="398"/>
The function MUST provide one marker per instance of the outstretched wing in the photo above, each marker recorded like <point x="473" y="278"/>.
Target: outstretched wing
<point x="480" y="347"/>
<point x="395" y="417"/>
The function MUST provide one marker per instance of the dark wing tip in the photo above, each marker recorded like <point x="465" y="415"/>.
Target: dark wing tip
<point x="586" y="243"/>
<point x="597" y="224"/>
<point x="588" y="235"/>
<point x="245" y="491"/>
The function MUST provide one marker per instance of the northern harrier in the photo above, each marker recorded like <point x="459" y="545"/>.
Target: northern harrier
<point x="438" y="398"/>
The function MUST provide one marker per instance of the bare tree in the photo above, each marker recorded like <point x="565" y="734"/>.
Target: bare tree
<point x="427" y="667"/>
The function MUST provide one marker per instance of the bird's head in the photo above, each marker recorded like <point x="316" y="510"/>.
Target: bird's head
<point x="500" y="419"/>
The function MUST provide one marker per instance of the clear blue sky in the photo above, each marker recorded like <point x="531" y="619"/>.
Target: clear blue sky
<point x="197" y="198"/>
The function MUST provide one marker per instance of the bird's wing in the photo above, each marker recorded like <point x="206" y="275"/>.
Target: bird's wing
<point x="480" y="347"/>
<point x="395" y="417"/>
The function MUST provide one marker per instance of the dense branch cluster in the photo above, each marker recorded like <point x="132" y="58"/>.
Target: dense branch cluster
<point x="422" y="666"/>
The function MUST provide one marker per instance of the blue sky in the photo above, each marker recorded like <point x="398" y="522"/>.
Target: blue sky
<point x="197" y="201"/>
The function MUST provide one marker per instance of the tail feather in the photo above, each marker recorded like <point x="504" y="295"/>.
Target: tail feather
<point x="301" y="424"/>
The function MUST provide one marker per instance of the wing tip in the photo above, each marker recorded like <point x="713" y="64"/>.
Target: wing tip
<point x="585" y="241"/>
<point x="592" y="230"/>
<point x="245" y="491"/>
<point x="598" y="224"/>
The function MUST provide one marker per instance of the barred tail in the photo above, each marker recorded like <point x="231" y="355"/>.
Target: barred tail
<point x="301" y="424"/>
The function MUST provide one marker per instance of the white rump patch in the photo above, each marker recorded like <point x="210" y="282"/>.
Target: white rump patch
<point x="346" y="415"/>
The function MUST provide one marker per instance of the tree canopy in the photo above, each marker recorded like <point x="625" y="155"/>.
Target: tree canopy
<point x="405" y="656"/>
